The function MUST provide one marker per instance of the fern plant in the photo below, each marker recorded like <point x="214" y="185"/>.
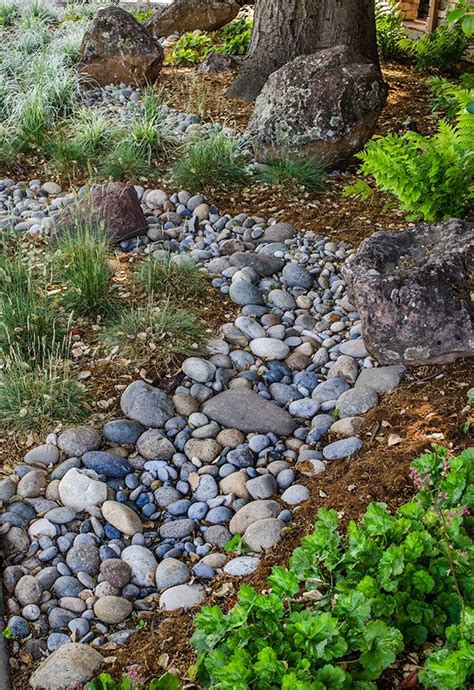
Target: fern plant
<point x="442" y="49"/>
<point x="451" y="97"/>
<point x="430" y="176"/>
<point x="389" y="28"/>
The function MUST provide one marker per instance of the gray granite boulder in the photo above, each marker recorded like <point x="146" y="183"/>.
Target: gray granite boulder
<point x="324" y="105"/>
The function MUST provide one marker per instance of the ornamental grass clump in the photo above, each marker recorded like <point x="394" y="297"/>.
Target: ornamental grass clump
<point x="81" y="263"/>
<point x="294" y="173"/>
<point x="351" y="601"/>
<point x="174" y="278"/>
<point x="29" y="328"/>
<point x="127" y="160"/>
<point x="213" y="162"/>
<point x="36" y="397"/>
<point x="158" y="332"/>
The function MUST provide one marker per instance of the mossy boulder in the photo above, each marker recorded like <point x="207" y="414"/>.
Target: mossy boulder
<point x="118" y="49"/>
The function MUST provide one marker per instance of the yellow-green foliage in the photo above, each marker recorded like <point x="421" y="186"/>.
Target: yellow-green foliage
<point x="431" y="177"/>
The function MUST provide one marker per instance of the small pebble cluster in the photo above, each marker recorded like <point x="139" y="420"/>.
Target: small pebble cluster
<point x="100" y="525"/>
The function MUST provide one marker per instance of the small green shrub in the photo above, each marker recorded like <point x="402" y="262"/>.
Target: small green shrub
<point x="430" y="176"/>
<point x="389" y="28"/>
<point x="350" y="602"/>
<point x="37" y="397"/>
<point x="142" y="15"/>
<point x="236" y="36"/>
<point x="162" y="331"/>
<point x="171" y="279"/>
<point x="463" y="14"/>
<point x="209" y="163"/>
<point x="81" y="263"/>
<point x="236" y="545"/>
<point x="190" y="49"/>
<point x="294" y="173"/>
<point x="441" y="49"/>
<point x="133" y="679"/>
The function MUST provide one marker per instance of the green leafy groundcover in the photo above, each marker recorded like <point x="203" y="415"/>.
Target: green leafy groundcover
<point x="349" y="604"/>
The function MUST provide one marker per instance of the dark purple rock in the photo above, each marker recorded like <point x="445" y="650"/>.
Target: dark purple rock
<point x="114" y="207"/>
<point x="413" y="293"/>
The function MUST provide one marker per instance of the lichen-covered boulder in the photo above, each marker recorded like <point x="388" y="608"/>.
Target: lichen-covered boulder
<point x="118" y="49"/>
<point x="324" y="105"/>
<point x="189" y="15"/>
<point x="115" y="207"/>
<point x="413" y="290"/>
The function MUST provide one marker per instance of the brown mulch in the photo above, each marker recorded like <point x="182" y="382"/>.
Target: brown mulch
<point x="328" y="213"/>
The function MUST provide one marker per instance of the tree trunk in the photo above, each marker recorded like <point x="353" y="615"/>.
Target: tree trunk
<point x="285" y="29"/>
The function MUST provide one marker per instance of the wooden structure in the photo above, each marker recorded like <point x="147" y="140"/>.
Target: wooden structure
<point x="423" y="16"/>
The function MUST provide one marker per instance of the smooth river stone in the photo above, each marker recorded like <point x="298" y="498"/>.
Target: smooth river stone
<point x="112" y="610"/>
<point x="247" y="411"/>
<point x="142" y="564"/>
<point x="182" y="597"/>
<point x="122" y="517"/>
<point x="81" y="489"/>
<point x="106" y="464"/>
<point x="68" y="667"/>
<point x="269" y="348"/>
<point x="146" y="404"/>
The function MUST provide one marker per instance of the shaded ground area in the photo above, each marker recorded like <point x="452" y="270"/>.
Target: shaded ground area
<point x="329" y="212"/>
<point x="332" y="214"/>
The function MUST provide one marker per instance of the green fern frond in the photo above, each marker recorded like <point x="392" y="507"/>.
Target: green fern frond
<point x="431" y="177"/>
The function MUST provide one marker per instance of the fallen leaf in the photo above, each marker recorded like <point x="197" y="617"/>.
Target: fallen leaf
<point x="410" y="681"/>
<point x="394" y="439"/>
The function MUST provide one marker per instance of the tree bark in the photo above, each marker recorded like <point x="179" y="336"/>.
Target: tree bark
<point x="285" y="29"/>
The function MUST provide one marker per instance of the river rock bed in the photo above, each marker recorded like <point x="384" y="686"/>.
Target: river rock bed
<point x="100" y="525"/>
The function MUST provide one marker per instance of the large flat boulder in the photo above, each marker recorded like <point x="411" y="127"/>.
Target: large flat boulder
<point x="189" y="15"/>
<point x="249" y="412"/>
<point x="114" y="207"/>
<point x="413" y="290"/>
<point x="118" y="49"/>
<point x="323" y="105"/>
